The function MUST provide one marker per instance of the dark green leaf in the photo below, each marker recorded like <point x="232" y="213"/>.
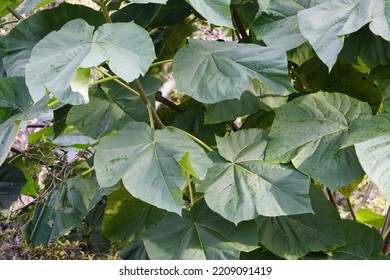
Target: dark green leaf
<point x="310" y="130"/>
<point x="294" y="236"/>
<point x="134" y="251"/>
<point x="11" y="182"/>
<point x="141" y="14"/>
<point x="126" y="217"/>
<point x="363" y="243"/>
<point x="199" y="234"/>
<point x="242" y="186"/>
<point x="150" y="163"/>
<point x="211" y="72"/>
<point x="65" y="209"/>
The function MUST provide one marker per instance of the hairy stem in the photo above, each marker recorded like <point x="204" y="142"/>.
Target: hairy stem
<point x="152" y="112"/>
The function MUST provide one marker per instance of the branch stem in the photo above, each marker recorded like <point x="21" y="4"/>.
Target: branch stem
<point x="238" y="24"/>
<point x="158" y="63"/>
<point x="103" y="80"/>
<point x="190" y="188"/>
<point x="15" y="13"/>
<point x="350" y="206"/>
<point x="106" y="15"/>
<point x="116" y="80"/>
<point x="8" y="22"/>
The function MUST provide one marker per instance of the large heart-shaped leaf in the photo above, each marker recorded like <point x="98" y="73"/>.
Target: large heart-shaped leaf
<point x="294" y="236"/>
<point x="326" y="25"/>
<point x="242" y="186"/>
<point x="363" y="242"/>
<point x="215" y="11"/>
<point x="125" y="217"/>
<point x="277" y="22"/>
<point x="211" y="72"/>
<point x="20" y="43"/>
<point x="66" y="208"/>
<point x="126" y="47"/>
<point x="15" y="106"/>
<point x="309" y="131"/>
<point x="111" y="109"/>
<point x="200" y="234"/>
<point x="11" y="182"/>
<point x="374" y="156"/>
<point x="150" y="163"/>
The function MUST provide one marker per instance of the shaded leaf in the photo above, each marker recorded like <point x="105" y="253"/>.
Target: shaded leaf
<point x="363" y="243"/>
<point x="126" y="47"/>
<point x="294" y="236"/>
<point x="242" y="186"/>
<point x="134" y="251"/>
<point x="200" y="234"/>
<point x="141" y="14"/>
<point x="126" y="217"/>
<point x="11" y="182"/>
<point x="65" y="209"/>
<point x="310" y="130"/>
<point x="150" y="163"/>
<point x="211" y="72"/>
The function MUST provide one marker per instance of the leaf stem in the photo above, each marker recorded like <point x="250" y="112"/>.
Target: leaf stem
<point x="190" y="188"/>
<point x="152" y="113"/>
<point x="386" y="224"/>
<point x="53" y="104"/>
<point x="116" y="80"/>
<point x="15" y="13"/>
<point x="238" y="24"/>
<point x="8" y="22"/>
<point x="106" y="15"/>
<point x="350" y="206"/>
<point x="158" y="63"/>
<point x="197" y="140"/>
<point x="88" y="171"/>
<point x="332" y="198"/>
<point x="103" y="80"/>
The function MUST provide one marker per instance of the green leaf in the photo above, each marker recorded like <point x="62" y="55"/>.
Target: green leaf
<point x="370" y="218"/>
<point x="126" y="217"/>
<point x="200" y="234"/>
<point x="134" y="251"/>
<point x="15" y="106"/>
<point x="141" y="14"/>
<point x="380" y="23"/>
<point x="211" y="72"/>
<point x="216" y="12"/>
<point x="11" y="182"/>
<point x="374" y="156"/>
<point x="294" y="236"/>
<point x="242" y="186"/>
<point x="20" y="42"/>
<point x="326" y="25"/>
<point x="276" y="22"/>
<point x="363" y="243"/>
<point x="310" y="130"/>
<point x="148" y="162"/>
<point x="126" y="47"/>
<point x="65" y="209"/>
<point x="229" y="110"/>
<point x="111" y="109"/>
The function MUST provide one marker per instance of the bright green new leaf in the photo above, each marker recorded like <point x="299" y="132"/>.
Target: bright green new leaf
<point x="294" y="236"/>
<point x="211" y="72"/>
<point x="242" y="186"/>
<point x="11" y="182"/>
<point x="126" y="217"/>
<point x="150" y="163"/>
<point x="198" y="235"/>
<point x="326" y="25"/>
<point x="66" y="209"/>
<point x="363" y="243"/>
<point x="374" y="156"/>
<point x="20" y="43"/>
<point x="8" y="3"/>
<point x="126" y="47"/>
<point x="215" y="11"/>
<point x="111" y="109"/>
<point x="310" y="130"/>
<point x="370" y="218"/>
